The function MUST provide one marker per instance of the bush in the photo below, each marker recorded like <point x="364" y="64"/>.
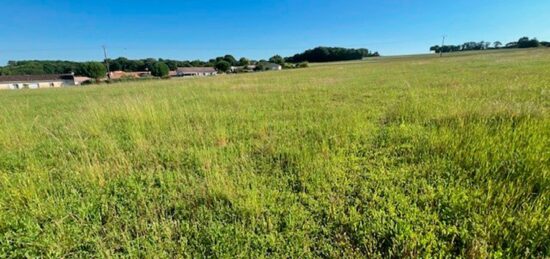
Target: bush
<point x="93" y="70"/>
<point x="303" y="65"/>
<point x="277" y="60"/>
<point x="160" y="69"/>
<point x="259" y="67"/>
<point x="223" y="66"/>
<point x="525" y="42"/>
<point x="244" y="62"/>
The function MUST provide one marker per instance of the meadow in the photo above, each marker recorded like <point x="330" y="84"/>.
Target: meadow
<point x="404" y="157"/>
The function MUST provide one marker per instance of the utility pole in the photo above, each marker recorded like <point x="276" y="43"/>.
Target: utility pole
<point x="442" y="44"/>
<point x="106" y="61"/>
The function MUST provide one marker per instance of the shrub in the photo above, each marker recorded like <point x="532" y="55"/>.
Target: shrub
<point x="160" y="69"/>
<point x="303" y="65"/>
<point x="94" y="70"/>
<point x="277" y="60"/>
<point x="223" y="66"/>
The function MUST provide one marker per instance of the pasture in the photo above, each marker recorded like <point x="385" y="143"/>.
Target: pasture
<point x="415" y="156"/>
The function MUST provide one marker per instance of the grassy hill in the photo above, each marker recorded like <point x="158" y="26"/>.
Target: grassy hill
<point x="398" y="157"/>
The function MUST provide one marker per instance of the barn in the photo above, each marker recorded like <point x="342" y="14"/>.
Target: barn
<point x="36" y="81"/>
<point x="196" y="71"/>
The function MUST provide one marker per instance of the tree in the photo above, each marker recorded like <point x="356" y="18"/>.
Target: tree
<point x="230" y="59"/>
<point x="160" y="69"/>
<point x="197" y="63"/>
<point x="94" y="70"/>
<point x="148" y="64"/>
<point x="259" y="66"/>
<point x="244" y="62"/>
<point x="525" y="42"/>
<point x="326" y="54"/>
<point x="223" y="66"/>
<point x="277" y="60"/>
<point x="497" y="44"/>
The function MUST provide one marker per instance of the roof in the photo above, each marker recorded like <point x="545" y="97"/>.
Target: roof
<point x="120" y="74"/>
<point x="196" y="70"/>
<point x="81" y="79"/>
<point x="30" y="78"/>
<point x="269" y="64"/>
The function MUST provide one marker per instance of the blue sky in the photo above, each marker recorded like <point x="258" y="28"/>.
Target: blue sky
<point x="192" y="29"/>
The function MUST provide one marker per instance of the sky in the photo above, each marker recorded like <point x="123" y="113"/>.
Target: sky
<point x="258" y="29"/>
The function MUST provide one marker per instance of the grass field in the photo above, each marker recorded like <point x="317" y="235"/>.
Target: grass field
<point x="417" y="156"/>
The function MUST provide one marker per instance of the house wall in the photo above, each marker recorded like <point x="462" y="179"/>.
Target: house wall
<point x="197" y="74"/>
<point x="36" y="84"/>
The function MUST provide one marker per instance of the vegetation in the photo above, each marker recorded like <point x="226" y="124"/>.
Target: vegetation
<point x="160" y="69"/>
<point x="395" y="157"/>
<point x="94" y="70"/>
<point x="277" y="59"/>
<point x="230" y="59"/>
<point x="223" y="66"/>
<point x="523" y="42"/>
<point x="37" y="67"/>
<point x="244" y="62"/>
<point x="326" y="54"/>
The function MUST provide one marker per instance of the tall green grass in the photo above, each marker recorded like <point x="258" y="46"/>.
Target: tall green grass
<point x="389" y="158"/>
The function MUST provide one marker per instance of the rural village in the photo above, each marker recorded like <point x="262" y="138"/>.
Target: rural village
<point x="66" y="80"/>
<point x="267" y="129"/>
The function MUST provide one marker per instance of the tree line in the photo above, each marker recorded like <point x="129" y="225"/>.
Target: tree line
<point x="36" y="67"/>
<point x="524" y="42"/>
<point x="160" y="67"/>
<point x="329" y="54"/>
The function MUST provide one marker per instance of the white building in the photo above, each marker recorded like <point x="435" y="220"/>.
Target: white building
<point x="36" y="81"/>
<point x="269" y="66"/>
<point x="196" y="71"/>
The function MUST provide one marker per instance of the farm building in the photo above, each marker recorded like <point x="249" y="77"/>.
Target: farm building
<point x="79" y="80"/>
<point x="195" y="71"/>
<point x="269" y="66"/>
<point x="36" y="81"/>
<point x="133" y="75"/>
<point x="242" y="69"/>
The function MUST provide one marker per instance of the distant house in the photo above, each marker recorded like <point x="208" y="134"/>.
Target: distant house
<point x="36" y="81"/>
<point x="195" y="71"/>
<point x="122" y="74"/>
<point x="78" y="80"/>
<point x="242" y="69"/>
<point x="269" y="66"/>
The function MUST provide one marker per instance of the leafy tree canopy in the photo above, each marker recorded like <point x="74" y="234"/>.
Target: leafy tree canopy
<point x="223" y="66"/>
<point x="94" y="70"/>
<point x="523" y="42"/>
<point x="277" y="60"/>
<point x="326" y="54"/>
<point x="160" y="69"/>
